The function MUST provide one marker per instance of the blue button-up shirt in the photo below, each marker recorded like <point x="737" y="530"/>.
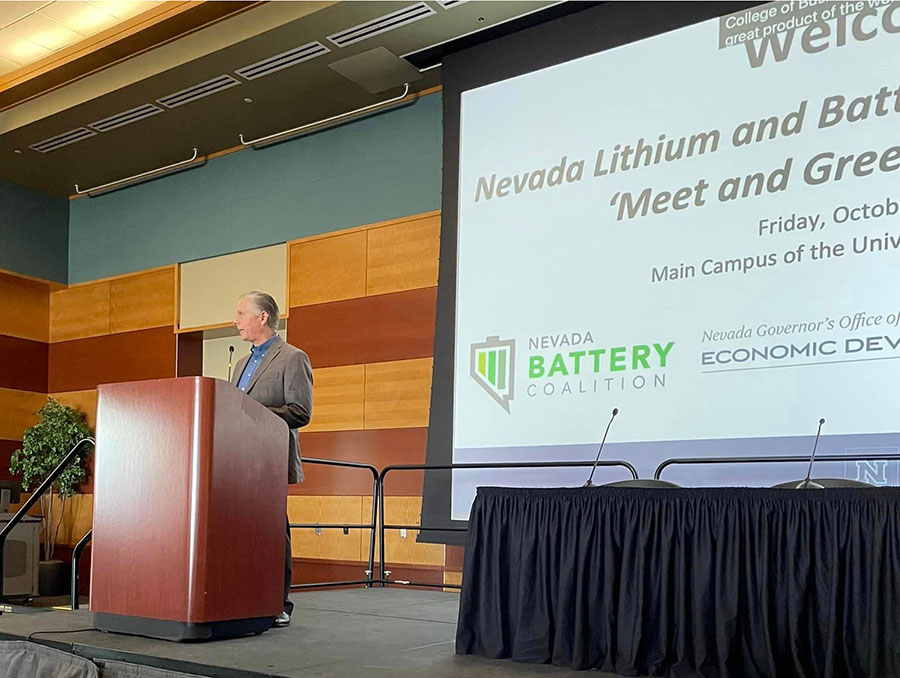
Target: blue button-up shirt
<point x="257" y="353"/>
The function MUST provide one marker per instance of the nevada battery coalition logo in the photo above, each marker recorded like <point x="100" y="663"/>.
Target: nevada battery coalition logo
<point x="492" y="368"/>
<point x="567" y="365"/>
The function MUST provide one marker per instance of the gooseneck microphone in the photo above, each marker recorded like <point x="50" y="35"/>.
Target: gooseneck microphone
<point x="589" y="482"/>
<point x="230" y="353"/>
<point x="807" y="483"/>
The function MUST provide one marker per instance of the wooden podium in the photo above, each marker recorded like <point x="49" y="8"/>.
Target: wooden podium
<point x="190" y="479"/>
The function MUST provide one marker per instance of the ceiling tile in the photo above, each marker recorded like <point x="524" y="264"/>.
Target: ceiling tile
<point x="11" y="11"/>
<point x="79" y="16"/>
<point x="123" y="9"/>
<point x="7" y="66"/>
<point x="32" y="5"/>
<point x="18" y="49"/>
<point x="45" y="32"/>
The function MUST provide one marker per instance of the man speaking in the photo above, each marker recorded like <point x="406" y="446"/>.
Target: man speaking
<point x="276" y="375"/>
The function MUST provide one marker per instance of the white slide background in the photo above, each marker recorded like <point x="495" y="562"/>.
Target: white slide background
<point x="556" y="261"/>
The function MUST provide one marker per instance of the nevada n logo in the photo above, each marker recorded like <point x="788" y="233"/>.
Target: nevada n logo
<point x="492" y="368"/>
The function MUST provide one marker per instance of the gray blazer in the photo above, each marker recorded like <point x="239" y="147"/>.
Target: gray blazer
<point x="283" y="382"/>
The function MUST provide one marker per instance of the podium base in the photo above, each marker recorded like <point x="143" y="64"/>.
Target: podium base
<point x="165" y="629"/>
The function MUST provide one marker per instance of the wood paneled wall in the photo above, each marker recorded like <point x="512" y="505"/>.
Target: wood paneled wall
<point x="138" y="301"/>
<point x="362" y="306"/>
<point x="24" y="359"/>
<point x="66" y="341"/>
<point x="26" y="306"/>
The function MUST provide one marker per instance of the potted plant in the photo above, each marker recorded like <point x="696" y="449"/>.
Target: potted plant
<point x="44" y="446"/>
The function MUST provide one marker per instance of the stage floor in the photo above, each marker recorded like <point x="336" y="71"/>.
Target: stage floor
<point x="380" y="632"/>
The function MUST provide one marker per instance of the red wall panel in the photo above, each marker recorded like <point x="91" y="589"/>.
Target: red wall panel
<point x="377" y="447"/>
<point x="128" y="356"/>
<point x="380" y="328"/>
<point x="7" y="447"/>
<point x="23" y="364"/>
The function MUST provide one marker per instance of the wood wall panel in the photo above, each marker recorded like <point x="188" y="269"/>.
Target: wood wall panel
<point x="130" y="356"/>
<point x="454" y="557"/>
<point x="402" y="511"/>
<point x="84" y="401"/>
<point x="328" y="269"/>
<point x="142" y="301"/>
<point x="452" y="578"/>
<point x="26" y="308"/>
<point x="379" y="447"/>
<point x="23" y="363"/>
<point x="79" y="312"/>
<point x="17" y="410"/>
<point x="314" y="571"/>
<point x="398" y="394"/>
<point x="373" y="329"/>
<point x="309" y="570"/>
<point x="190" y="354"/>
<point x="78" y="513"/>
<point x="77" y="517"/>
<point x="338" y="399"/>
<point x="403" y="256"/>
<point x="331" y="544"/>
<point x="34" y="511"/>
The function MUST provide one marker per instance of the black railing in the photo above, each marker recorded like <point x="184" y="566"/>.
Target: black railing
<point x="76" y="575"/>
<point x="383" y="579"/>
<point x="764" y="460"/>
<point x="376" y="482"/>
<point x="377" y="526"/>
<point x="368" y="581"/>
<point x="35" y="497"/>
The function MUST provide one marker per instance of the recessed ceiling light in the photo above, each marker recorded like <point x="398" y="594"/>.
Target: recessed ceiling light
<point x="44" y="31"/>
<point x="24" y="51"/>
<point x="123" y="9"/>
<point x="480" y="19"/>
<point x="17" y="152"/>
<point x="248" y="100"/>
<point x="79" y="16"/>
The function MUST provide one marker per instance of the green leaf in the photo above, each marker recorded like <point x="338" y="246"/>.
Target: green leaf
<point x="46" y="444"/>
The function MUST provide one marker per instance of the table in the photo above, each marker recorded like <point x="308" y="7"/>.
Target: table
<point x="712" y="582"/>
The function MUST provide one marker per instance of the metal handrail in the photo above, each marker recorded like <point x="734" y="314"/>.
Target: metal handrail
<point x="137" y="178"/>
<point x="76" y="576"/>
<point x="76" y="552"/>
<point x="294" y="131"/>
<point x="373" y="526"/>
<point x="382" y="526"/>
<point x="35" y="497"/>
<point x="762" y="460"/>
<point x="378" y="525"/>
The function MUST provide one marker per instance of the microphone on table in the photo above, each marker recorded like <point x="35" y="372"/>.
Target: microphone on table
<point x="807" y="483"/>
<point x="230" y="353"/>
<point x="589" y="482"/>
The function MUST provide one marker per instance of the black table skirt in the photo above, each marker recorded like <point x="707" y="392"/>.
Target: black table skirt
<point x="713" y="582"/>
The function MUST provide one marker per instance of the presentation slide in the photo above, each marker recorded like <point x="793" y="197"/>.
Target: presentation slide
<point x="700" y="229"/>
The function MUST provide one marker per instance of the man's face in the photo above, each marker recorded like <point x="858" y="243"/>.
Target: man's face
<point x="251" y="326"/>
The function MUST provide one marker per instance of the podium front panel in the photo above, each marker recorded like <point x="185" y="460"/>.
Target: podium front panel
<point x="189" y="507"/>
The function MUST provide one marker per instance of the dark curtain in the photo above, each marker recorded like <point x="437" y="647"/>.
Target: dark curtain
<point x="716" y="582"/>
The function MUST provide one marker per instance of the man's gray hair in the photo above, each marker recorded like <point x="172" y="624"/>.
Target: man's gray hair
<point x="259" y="302"/>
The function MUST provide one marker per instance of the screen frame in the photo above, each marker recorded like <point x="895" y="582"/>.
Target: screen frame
<point x="590" y="31"/>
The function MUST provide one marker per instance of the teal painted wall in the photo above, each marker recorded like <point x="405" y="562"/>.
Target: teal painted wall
<point x="378" y="168"/>
<point x="34" y="232"/>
